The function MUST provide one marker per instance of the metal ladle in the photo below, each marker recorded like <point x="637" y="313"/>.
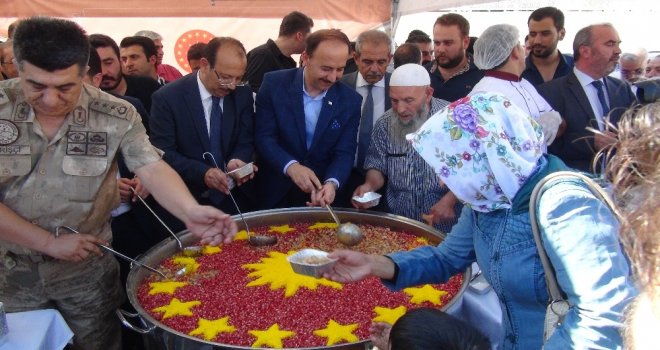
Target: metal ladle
<point x="187" y="251"/>
<point x="57" y="233"/>
<point x="253" y="240"/>
<point x="347" y="233"/>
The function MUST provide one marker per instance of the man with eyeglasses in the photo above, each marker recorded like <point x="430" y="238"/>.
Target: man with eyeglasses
<point x="206" y="119"/>
<point x="8" y="66"/>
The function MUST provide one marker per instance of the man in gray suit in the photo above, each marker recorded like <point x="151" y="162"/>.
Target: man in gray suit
<point x="588" y="97"/>
<point x="373" y="52"/>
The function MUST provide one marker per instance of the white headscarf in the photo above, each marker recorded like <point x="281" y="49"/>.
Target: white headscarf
<point x="483" y="147"/>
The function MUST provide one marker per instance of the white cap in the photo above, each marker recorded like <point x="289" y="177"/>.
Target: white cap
<point x="410" y="74"/>
<point x="494" y="45"/>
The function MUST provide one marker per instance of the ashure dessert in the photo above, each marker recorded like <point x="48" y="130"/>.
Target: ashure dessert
<point x="241" y="295"/>
<point x="315" y="260"/>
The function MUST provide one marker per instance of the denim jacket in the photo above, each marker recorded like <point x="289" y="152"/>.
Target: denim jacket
<point x="580" y="237"/>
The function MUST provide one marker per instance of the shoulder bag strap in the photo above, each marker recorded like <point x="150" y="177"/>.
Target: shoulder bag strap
<point x="596" y="190"/>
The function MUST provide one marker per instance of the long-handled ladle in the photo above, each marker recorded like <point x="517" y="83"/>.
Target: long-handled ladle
<point x="347" y="233"/>
<point x="187" y="251"/>
<point x="253" y="240"/>
<point x="57" y="233"/>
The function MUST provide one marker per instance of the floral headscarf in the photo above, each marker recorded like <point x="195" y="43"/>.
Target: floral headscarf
<point x="483" y="147"/>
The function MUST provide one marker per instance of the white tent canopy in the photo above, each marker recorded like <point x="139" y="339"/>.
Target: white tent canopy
<point x="182" y="23"/>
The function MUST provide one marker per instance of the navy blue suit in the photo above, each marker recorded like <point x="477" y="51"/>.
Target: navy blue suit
<point x="566" y="95"/>
<point x="280" y="133"/>
<point x="178" y="127"/>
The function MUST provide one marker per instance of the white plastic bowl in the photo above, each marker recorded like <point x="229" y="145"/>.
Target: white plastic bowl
<point x="242" y="172"/>
<point x="371" y="199"/>
<point x="299" y="265"/>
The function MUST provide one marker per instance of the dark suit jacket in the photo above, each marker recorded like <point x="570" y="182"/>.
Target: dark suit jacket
<point x="280" y="133"/>
<point x="351" y="80"/>
<point x="576" y="146"/>
<point x="178" y="127"/>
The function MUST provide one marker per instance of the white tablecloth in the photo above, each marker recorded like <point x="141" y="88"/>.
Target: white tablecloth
<point x="36" y="330"/>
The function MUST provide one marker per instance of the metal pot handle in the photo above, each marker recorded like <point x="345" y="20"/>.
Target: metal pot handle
<point x="122" y="314"/>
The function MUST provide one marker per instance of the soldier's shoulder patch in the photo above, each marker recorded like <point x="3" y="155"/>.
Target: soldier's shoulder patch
<point x="4" y="98"/>
<point x="118" y="109"/>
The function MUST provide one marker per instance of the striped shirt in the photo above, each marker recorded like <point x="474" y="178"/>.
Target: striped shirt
<point x="412" y="185"/>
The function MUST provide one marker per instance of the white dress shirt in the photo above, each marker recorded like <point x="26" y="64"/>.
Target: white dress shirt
<point x="377" y="92"/>
<point x="207" y="102"/>
<point x="592" y="95"/>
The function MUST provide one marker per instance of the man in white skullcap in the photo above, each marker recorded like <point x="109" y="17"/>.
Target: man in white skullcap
<point x="498" y="51"/>
<point x="413" y="189"/>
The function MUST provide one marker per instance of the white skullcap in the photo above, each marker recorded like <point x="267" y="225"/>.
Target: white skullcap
<point x="494" y="45"/>
<point x="410" y="74"/>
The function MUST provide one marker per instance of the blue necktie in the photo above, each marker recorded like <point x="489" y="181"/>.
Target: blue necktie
<point x="366" y="126"/>
<point x="601" y="98"/>
<point x="214" y="138"/>
<point x="214" y="133"/>
<point x="606" y="109"/>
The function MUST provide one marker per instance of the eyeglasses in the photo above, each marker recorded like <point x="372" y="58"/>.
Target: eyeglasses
<point x="228" y="82"/>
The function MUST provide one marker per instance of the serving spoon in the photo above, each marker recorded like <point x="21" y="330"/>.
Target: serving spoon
<point x="253" y="239"/>
<point x="347" y="233"/>
<point x="187" y="251"/>
<point x="116" y="253"/>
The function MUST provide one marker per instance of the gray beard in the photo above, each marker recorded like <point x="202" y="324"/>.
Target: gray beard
<point x="399" y="130"/>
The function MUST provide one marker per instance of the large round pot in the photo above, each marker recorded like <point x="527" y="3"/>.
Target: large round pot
<point x="164" y="337"/>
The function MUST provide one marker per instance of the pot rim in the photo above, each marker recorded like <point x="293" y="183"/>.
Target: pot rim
<point x="169" y="245"/>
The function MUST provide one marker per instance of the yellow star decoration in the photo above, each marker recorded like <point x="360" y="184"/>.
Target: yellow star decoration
<point x="190" y="263"/>
<point x="320" y="225"/>
<point x="167" y="287"/>
<point x="336" y="333"/>
<point x="281" y="229"/>
<point x="241" y="235"/>
<point x="272" y="337"/>
<point x="426" y="293"/>
<point x="209" y="250"/>
<point x="275" y="270"/>
<point x="388" y="315"/>
<point x="209" y="329"/>
<point x="177" y="308"/>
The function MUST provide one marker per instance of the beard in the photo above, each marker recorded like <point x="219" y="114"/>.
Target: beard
<point x="399" y="129"/>
<point x="110" y="83"/>
<point x="542" y="51"/>
<point x="452" y="62"/>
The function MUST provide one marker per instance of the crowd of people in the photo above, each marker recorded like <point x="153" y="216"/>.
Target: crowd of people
<point x="452" y="130"/>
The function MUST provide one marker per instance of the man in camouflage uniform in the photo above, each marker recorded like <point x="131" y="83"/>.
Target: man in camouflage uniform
<point x="59" y="140"/>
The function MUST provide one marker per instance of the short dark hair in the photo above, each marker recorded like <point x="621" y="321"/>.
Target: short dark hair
<point x="211" y="49"/>
<point x="102" y="40"/>
<point x="295" y="22"/>
<point x="147" y="45"/>
<point x="10" y="30"/>
<point x="407" y="53"/>
<point x="319" y="36"/>
<point x="94" y="63"/>
<point x="196" y="51"/>
<point x="454" y="19"/>
<point x="417" y="36"/>
<point x="427" y="328"/>
<point x="545" y="12"/>
<point x="50" y="44"/>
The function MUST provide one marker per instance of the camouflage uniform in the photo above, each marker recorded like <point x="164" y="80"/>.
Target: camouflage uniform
<point x="70" y="181"/>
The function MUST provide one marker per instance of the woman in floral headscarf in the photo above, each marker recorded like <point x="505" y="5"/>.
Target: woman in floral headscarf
<point x="488" y="152"/>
